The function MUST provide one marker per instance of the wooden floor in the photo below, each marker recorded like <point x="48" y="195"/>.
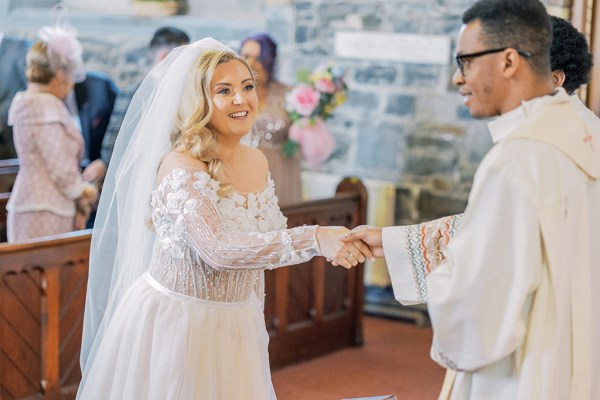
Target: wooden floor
<point x="393" y="360"/>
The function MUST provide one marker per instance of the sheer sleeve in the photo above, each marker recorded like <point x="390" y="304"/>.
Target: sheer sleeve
<point x="192" y="216"/>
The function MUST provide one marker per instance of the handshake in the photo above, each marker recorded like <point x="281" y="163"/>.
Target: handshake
<point x="347" y="248"/>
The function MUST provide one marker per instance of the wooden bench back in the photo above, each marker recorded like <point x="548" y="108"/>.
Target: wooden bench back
<point x="314" y="308"/>
<point x="42" y="297"/>
<point x="3" y="201"/>
<point x="310" y="310"/>
<point x="8" y="173"/>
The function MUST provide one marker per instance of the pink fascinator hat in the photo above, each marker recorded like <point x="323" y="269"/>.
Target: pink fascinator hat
<point x="64" y="50"/>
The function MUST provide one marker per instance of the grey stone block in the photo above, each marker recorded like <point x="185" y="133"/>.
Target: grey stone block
<point x="400" y="105"/>
<point x="423" y="76"/>
<point x="375" y="74"/>
<point x="380" y="146"/>
<point x="371" y="22"/>
<point x="428" y="161"/>
<point x="303" y="5"/>
<point x="406" y="209"/>
<point x="436" y="204"/>
<point x="444" y="25"/>
<point x="362" y="100"/>
<point x="432" y="142"/>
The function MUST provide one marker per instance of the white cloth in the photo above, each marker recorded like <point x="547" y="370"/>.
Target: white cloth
<point x="591" y="120"/>
<point x="162" y="345"/>
<point x="514" y="307"/>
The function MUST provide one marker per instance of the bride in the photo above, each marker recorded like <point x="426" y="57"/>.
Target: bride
<point x="188" y="220"/>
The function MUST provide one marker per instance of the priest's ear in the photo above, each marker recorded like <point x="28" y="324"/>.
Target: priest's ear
<point x="558" y="77"/>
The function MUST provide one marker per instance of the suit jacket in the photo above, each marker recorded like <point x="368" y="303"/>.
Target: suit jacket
<point x="12" y="80"/>
<point x="95" y="99"/>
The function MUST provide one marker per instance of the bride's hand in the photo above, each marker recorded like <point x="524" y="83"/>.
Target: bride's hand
<point x="339" y="253"/>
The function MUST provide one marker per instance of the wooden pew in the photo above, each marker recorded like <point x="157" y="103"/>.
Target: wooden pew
<point x="314" y="308"/>
<point x="8" y="173"/>
<point x="310" y="309"/>
<point x="3" y="201"/>
<point x="42" y="296"/>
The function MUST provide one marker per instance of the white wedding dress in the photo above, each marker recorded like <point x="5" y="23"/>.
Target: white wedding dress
<point x="192" y="327"/>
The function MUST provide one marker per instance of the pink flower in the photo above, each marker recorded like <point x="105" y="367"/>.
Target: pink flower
<point x="303" y="99"/>
<point x="325" y="85"/>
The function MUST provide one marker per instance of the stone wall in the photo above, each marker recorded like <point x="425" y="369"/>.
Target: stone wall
<point x="403" y="122"/>
<point x="115" y="42"/>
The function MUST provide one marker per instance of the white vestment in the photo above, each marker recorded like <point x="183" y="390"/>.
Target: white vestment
<point x="513" y="304"/>
<point x="591" y="120"/>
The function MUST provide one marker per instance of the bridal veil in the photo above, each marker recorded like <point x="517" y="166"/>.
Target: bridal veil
<point x="122" y="239"/>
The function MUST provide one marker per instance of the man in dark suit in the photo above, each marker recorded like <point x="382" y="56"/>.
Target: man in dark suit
<point x="94" y="100"/>
<point x="91" y="104"/>
<point x="13" y="52"/>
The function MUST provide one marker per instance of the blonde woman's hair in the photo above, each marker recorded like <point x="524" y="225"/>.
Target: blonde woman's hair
<point x="38" y="68"/>
<point x="191" y="131"/>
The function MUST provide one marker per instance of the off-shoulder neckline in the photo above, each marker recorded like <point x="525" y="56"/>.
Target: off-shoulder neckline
<point x="193" y="170"/>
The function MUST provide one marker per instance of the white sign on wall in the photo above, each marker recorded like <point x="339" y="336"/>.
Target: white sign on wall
<point x="405" y="47"/>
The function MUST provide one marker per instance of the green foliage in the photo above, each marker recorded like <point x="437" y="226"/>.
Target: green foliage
<point x="302" y="76"/>
<point x="290" y="148"/>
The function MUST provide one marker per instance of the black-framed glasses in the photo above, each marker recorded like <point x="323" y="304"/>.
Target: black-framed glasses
<point x="463" y="59"/>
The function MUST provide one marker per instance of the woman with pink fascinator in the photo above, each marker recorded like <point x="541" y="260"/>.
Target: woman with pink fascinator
<point x="49" y="196"/>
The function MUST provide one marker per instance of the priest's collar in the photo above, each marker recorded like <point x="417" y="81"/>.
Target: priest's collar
<point x="502" y="126"/>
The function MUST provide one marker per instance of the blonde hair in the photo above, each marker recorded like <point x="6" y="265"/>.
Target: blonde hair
<point x="38" y="68"/>
<point x="191" y="131"/>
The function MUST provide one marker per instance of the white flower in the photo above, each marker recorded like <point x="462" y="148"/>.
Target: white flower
<point x="202" y="180"/>
<point x="190" y="205"/>
<point x="175" y="200"/>
<point x="178" y="178"/>
<point x="263" y="226"/>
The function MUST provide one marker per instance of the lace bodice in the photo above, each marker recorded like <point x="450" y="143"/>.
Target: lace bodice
<point x="215" y="248"/>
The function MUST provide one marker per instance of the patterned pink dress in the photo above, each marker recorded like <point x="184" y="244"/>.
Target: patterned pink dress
<point x="49" y="147"/>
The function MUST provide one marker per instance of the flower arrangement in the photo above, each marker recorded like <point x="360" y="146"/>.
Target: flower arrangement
<point x="309" y="104"/>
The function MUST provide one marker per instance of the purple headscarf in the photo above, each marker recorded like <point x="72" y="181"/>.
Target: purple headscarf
<point x="268" y="50"/>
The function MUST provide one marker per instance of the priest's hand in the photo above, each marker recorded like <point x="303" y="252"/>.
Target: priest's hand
<point x="369" y="235"/>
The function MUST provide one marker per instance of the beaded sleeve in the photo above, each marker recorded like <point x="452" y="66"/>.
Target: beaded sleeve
<point x="185" y="212"/>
